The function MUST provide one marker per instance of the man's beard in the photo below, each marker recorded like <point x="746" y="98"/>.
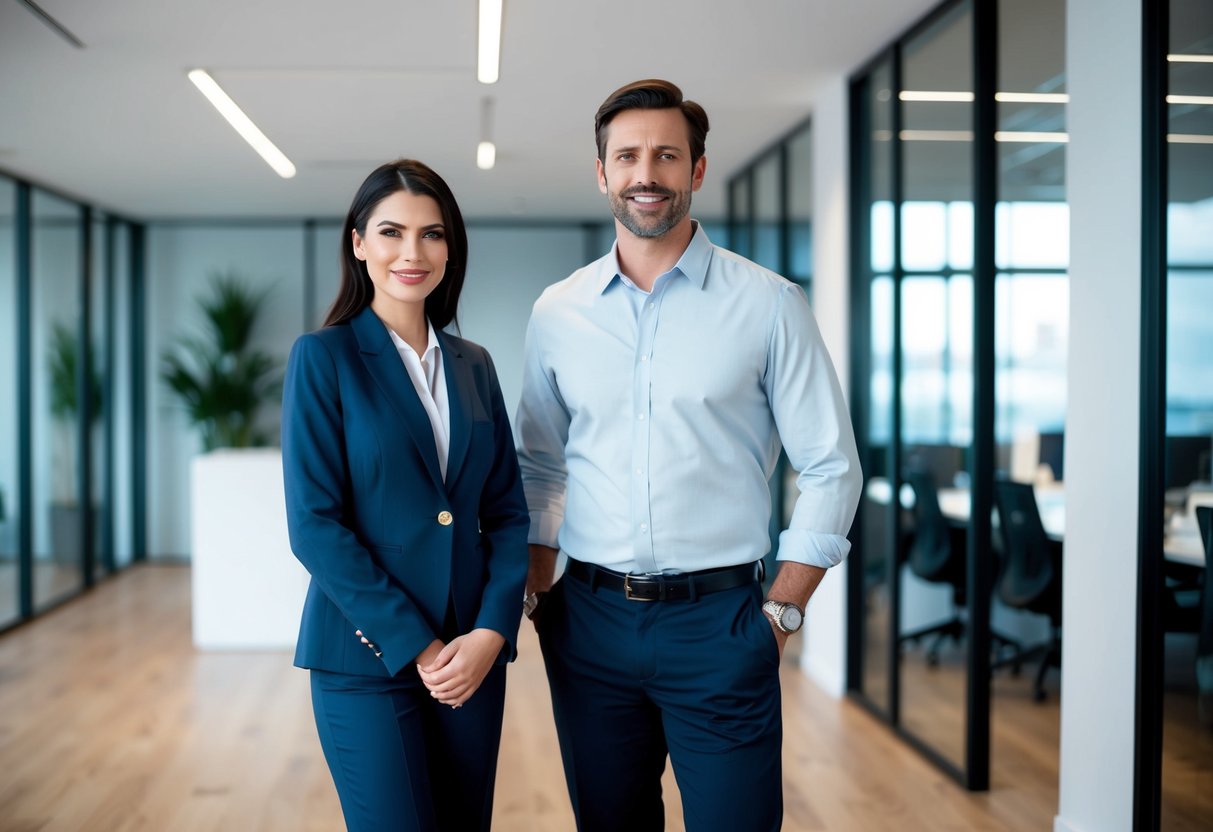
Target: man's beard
<point x="650" y="225"/>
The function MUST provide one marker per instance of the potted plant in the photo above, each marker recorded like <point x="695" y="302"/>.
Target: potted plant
<point x="67" y="527"/>
<point x="247" y="589"/>
<point x="218" y="376"/>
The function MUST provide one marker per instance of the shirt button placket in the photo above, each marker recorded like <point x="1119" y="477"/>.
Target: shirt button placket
<point x="642" y="434"/>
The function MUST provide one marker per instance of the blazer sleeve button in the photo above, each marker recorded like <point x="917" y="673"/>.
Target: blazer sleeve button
<point x="445" y="518"/>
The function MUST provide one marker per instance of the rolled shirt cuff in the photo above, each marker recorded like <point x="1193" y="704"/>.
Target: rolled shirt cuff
<point x="545" y="527"/>
<point x="810" y="548"/>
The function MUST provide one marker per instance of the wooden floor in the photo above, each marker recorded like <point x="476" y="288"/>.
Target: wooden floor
<point x="111" y="720"/>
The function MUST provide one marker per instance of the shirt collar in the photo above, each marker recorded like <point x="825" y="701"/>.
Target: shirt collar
<point x="693" y="264"/>
<point x="431" y="340"/>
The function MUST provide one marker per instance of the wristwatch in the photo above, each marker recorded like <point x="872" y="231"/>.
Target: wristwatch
<point x="531" y="603"/>
<point x="787" y="616"/>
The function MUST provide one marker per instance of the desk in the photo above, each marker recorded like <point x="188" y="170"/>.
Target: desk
<point x="1181" y="543"/>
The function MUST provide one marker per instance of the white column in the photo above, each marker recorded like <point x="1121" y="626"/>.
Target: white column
<point x="1103" y="59"/>
<point x="823" y="657"/>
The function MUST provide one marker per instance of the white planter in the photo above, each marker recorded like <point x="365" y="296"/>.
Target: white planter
<point x="247" y="586"/>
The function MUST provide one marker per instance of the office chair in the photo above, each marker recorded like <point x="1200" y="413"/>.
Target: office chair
<point x="938" y="554"/>
<point x="1031" y="574"/>
<point x="1204" y="642"/>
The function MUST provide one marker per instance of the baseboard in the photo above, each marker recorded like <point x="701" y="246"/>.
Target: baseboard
<point x="1060" y="824"/>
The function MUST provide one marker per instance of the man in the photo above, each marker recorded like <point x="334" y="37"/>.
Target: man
<point x="659" y="383"/>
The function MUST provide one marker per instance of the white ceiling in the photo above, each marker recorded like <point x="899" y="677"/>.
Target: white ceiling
<point x="342" y="87"/>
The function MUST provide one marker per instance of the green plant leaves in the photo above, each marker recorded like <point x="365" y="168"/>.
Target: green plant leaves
<point x="219" y="378"/>
<point x="62" y="366"/>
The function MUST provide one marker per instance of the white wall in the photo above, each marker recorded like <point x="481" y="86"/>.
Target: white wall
<point x="508" y="268"/>
<point x="180" y="261"/>
<point x="1103" y="49"/>
<point x="824" y="653"/>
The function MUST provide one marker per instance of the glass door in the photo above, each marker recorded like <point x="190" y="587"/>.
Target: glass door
<point x="1185" y="593"/>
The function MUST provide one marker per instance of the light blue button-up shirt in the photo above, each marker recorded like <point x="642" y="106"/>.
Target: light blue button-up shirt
<point x="650" y="423"/>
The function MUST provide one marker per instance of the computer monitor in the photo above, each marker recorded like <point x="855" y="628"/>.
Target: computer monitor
<point x="1052" y="452"/>
<point x="1186" y="459"/>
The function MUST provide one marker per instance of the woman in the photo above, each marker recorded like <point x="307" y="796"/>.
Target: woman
<point x="404" y="503"/>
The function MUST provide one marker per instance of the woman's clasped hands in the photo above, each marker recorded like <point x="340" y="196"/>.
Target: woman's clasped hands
<point x="454" y="671"/>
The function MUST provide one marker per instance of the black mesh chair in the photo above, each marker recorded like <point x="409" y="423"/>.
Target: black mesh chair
<point x="937" y="554"/>
<point x="1031" y="573"/>
<point x="1204" y="641"/>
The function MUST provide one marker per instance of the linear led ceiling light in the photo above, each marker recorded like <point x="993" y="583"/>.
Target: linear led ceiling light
<point x="930" y="95"/>
<point x="228" y="108"/>
<point x="1191" y="59"/>
<point x="488" y="66"/>
<point x="1030" y="137"/>
<point x="1032" y="97"/>
<point x="968" y="97"/>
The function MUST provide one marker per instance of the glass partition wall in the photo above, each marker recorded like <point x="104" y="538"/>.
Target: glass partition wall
<point x="68" y="510"/>
<point x="959" y="291"/>
<point x="934" y="391"/>
<point x="1031" y="348"/>
<point x="770" y="222"/>
<point x="58" y="252"/>
<point x="1175" y="725"/>
<point x="10" y="491"/>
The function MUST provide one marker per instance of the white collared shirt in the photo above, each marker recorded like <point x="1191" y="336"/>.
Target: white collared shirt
<point x="429" y="380"/>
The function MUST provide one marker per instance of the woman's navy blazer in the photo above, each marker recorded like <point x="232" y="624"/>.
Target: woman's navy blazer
<point x="386" y="541"/>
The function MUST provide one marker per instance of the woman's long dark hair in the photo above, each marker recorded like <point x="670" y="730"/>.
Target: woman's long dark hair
<point x="356" y="289"/>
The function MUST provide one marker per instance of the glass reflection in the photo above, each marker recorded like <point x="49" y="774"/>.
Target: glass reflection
<point x="103" y="553"/>
<point x="936" y="383"/>
<point x="56" y="353"/>
<point x="1187" y="595"/>
<point x="119" y="408"/>
<point x="768" y="214"/>
<point x="9" y="490"/>
<point x="878" y="514"/>
<point x="1031" y="296"/>
<point x="741" y="226"/>
<point x="800" y="206"/>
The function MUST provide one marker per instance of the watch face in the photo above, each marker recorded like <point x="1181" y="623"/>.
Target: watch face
<point x="792" y="619"/>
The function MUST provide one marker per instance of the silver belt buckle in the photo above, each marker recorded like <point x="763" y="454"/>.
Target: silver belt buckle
<point x="627" y="590"/>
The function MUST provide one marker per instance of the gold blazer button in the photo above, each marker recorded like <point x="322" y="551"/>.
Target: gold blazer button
<point x="445" y="518"/>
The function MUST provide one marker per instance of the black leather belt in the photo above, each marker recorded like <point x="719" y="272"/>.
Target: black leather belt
<point x="677" y="586"/>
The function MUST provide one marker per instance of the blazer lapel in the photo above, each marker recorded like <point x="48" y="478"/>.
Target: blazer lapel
<point x="384" y="364"/>
<point x="460" y="388"/>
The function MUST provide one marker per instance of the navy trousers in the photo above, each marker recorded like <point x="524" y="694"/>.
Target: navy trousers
<point x="634" y="681"/>
<point x="401" y="761"/>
